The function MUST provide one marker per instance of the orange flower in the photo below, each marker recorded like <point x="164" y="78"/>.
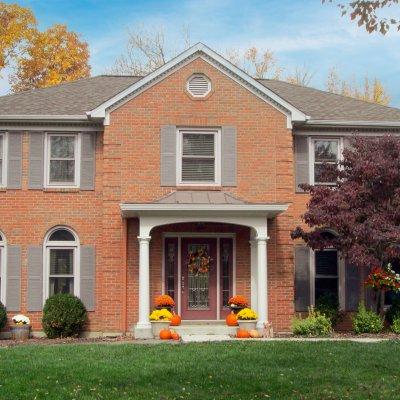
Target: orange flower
<point x="238" y="301"/>
<point x="164" y="301"/>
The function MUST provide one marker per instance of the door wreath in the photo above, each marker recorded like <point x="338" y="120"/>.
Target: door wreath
<point x="199" y="261"/>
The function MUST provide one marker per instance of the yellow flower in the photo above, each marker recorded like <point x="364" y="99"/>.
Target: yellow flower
<point x="247" y="314"/>
<point x="160" y="315"/>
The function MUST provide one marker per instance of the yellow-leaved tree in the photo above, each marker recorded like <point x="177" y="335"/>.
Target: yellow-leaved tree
<point x="49" y="58"/>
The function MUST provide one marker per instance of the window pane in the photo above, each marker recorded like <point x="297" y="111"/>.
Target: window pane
<point x="61" y="261"/>
<point x="198" y="145"/>
<point x="326" y="150"/>
<point x="62" y="146"/>
<point x="62" y="235"/>
<point x="326" y="286"/>
<point x="61" y="285"/>
<point x="198" y="170"/>
<point x="62" y="171"/>
<point x="326" y="263"/>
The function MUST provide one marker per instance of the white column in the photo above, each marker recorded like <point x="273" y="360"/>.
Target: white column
<point x="143" y="327"/>
<point x="262" y="280"/>
<point x="253" y="274"/>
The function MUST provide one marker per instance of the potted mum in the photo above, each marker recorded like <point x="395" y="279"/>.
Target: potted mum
<point x="237" y="303"/>
<point x="21" y="328"/>
<point x="164" y="301"/>
<point x="160" y="319"/>
<point x="247" y="319"/>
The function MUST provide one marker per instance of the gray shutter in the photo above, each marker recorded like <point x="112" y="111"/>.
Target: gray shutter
<point x="14" y="171"/>
<point x="88" y="275"/>
<point x="352" y="284"/>
<point x="35" y="278"/>
<point x="88" y="149"/>
<point x="36" y="160"/>
<point x="168" y="155"/>
<point x="301" y="161"/>
<point x="13" y="284"/>
<point x="228" y="156"/>
<point x="302" y="277"/>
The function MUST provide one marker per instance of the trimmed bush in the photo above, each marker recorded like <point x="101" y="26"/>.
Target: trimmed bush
<point x="366" y="321"/>
<point x="328" y="305"/>
<point x="64" y="315"/>
<point x="393" y="312"/>
<point x="315" y="324"/>
<point x="3" y="316"/>
<point x="396" y="325"/>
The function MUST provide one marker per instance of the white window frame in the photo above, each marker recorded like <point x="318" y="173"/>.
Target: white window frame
<point x="340" y="277"/>
<point x="217" y="155"/>
<point x="47" y="158"/>
<point x="311" y="151"/>
<point x="3" y="182"/>
<point x="3" y="255"/>
<point x="61" y="245"/>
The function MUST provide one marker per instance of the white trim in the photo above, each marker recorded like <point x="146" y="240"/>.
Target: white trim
<point x="196" y="51"/>
<point x="43" y="117"/>
<point x="77" y="158"/>
<point x="3" y="274"/>
<point x="4" y="156"/>
<point x="350" y="123"/>
<point x="218" y="280"/>
<point x="217" y="155"/>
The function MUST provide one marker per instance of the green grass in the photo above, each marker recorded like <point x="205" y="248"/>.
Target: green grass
<point x="237" y="370"/>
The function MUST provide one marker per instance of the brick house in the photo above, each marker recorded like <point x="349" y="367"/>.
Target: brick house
<point x="108" y="183"/>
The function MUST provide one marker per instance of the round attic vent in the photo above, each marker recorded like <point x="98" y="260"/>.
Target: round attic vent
<point x="198" y="85"/>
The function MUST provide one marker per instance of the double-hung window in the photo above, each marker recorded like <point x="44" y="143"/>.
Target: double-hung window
<point x="326" y="274"/>
<point x="3" y="163"/>
<point x="62" y="160"/>
<point x="199" y="157"/>
<point x="323" y="152"/>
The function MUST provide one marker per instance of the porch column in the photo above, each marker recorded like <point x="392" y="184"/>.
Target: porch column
<point x="253" y="274"/>
<point x="143" y="327"/>
<point x="262" y="281"/>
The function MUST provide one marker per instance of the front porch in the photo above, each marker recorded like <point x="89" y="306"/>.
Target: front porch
<point x="234" y="236"/>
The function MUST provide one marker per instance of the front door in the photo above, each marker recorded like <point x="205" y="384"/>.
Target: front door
<point x="199" y="279"/>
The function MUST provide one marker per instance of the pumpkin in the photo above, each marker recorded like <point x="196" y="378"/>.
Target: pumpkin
<point x="175" y="336"/>
<point x="242" y="334"/>
<point x="231" y="320"/>
<point x="176" y="320"/>
<point x="165" y="334"/>
<point x="254" y="333"/>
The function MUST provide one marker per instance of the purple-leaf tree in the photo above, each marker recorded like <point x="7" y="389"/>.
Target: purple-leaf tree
<point x="362" y="209"/>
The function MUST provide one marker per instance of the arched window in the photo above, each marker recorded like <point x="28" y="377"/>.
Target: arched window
<point x="61" y="262"/>
<point x="2" y="268"/>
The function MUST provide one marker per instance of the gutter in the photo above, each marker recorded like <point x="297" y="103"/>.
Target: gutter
<point x="342" y="123"/>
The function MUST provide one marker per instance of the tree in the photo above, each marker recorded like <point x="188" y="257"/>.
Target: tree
<point x="366" y="13"/>
<point x="363" y="209"/>
<point x="372" y="90"/>
<point x="16" y="26"/>
<point x="49" y="58"/>
<point x="301" y="76"/>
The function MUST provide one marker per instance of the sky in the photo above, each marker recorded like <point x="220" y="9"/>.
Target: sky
<point x="299" y="32"/>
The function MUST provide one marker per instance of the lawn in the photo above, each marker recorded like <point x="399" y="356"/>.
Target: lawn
<point x="235" y="370"/>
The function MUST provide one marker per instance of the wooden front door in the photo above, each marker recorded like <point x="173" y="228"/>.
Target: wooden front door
<point x="199" y="278"/>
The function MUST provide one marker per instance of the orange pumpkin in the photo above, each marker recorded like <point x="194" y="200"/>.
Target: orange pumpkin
<point x="254" y="333"/>
<point x="165" y="334"/>
<point x="175" y="336"/>
<point x="176" y="320"/>
<point x="231" y="320"/>
<point x="242" y="334"/>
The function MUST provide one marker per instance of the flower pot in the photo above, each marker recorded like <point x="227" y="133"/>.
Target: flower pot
<point x="20" y="332"/>
<point x="157" y="326"/>
<point x="248" y="325"/>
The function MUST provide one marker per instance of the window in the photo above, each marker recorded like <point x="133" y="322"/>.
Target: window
<point x="62" y="160"/>
<point x="323" y="151"/>
<point x="2" y="269"/>
<point x="3" y="164"/>
<point x="326" y="274"/>
<point x="62" y="262"/>
<point x="199" y="161"/>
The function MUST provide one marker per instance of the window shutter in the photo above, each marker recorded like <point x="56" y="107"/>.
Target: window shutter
<point x="168" y="155"/>
<point x="35" y="278"/>
<point x="301" y="161"/>
<point x="88" y="150"/>
<point x="352" y="284"/>
<point x="36" y="160"/>
<point x="302" y="278"/>
<point x="14" y="171"/>
<point x="369" y="292"/>
<point x="228" y="156"/>
<point x="88" y="275"/>
<point x="13" y="284"/>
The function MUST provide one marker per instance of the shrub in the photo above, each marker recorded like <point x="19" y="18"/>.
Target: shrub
<point x="396" y="325"/>
<point x="315" y="324"/>
<point x="328" y="305"/>
<point x="3" y="316"/>
<point x="393" y="312"/>
<point x="366" y="321"/>
<point x="64" y="315"/>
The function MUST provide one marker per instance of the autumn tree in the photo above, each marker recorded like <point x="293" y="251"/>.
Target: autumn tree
<point x="49" y="58"/>
<point x="17" y="25"/>
<point x="363" y="209"/>
<point x="368" y="13"/>
<point x="301" y="76"/>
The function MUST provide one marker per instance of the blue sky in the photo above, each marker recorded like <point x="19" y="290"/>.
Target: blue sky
<point x="300" y="32"/>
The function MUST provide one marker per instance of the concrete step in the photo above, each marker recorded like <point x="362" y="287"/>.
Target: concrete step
<point x="205" y="329"/>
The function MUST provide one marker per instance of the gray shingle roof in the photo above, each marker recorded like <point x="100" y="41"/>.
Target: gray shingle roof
<point x="199" y="197"/>
<point x="76" y="98"/>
